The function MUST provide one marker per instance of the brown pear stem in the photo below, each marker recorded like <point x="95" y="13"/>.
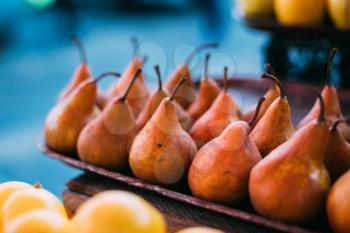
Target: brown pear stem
<point x="103" y="75"/>
<point x="38" y="185"/>
<point x="173" y="93"/>
<point x="136" y="75"/>
<point x="80" y="47"/>
<point x="275" y="80"/>
<point x="257" y="110"/>
<point x="329" y="66"/>
<point x="321" y="117"/>
<point x="156" y="68"/>
<point x="270" y="69"/>
<point x="225" y="79"/>
<point x="206" y="66"/>
<point x="135" y="46"/>
<point x="343" y="120"/>
<point x="199" y="49"/>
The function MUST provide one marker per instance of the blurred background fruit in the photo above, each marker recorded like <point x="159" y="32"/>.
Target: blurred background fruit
<point x="339" y="11"/>
<point x="300" y="12"/>
<point x="256" y="7"/>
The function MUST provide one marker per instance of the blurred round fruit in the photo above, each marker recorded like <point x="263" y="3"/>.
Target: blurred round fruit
<point x="118" y="211"/>
<point x="338" y="205"/>
<point x="300" y="12"/>
<point x="39" y="221"/>
<point x="339" y="10"/>
<point x="200" y="230"/>
<point x="256" y="7"/>
<point x="8" y="188"/>
<point x="26" y="200"/>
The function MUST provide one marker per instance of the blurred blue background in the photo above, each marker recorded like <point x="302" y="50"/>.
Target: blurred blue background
<point x="37" y="60"/>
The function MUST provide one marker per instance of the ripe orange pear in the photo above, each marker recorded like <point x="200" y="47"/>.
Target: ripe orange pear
<point x="338" y="205"/>
<point x="211" y="124"/>
<point x="104" y="141"/>
<point x="272" y="94"/>
<point x="208" y="91"/>
<point x="337" y="156"/>
<point x="220" y="170"/>
<point x="66" y="120"/>
<point x="139" y="93"/>
<point x="162" y="151"/>
<point x="291" y="183"/>
<point x="187" y="93"/>
<point x="154" y="101"/>
<point x="332" y="107"/>
<point x="275" y="127"/>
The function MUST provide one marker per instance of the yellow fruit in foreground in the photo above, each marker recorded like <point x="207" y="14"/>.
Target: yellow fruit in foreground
<point x="256" y="7"/>
<point x="200" y="230"/>
<point x="39" y="221"/>
<point x="339" y="10"/>
<point x="118" y="211"/>
<point x="300" y="12"/>
<point x="26" y="200"/>
<point x="8" y="188"/>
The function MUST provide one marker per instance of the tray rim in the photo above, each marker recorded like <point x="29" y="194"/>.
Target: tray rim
<point x="191" y="200"/>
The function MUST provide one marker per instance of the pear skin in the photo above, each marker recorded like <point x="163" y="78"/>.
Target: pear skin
<point x="272" y="94"/>
<point x="139" y="93"/>
<point x="291" y="183"/>
<point x="275" y="127"/>
<point x="221" y="168"/>
<point x="211" y="124"/>
<point x="208" y="91"/>
<point x="66" y="120"/>
<point x="162" y="151"/>
<point x="338" y="205"/>
<point x="337" y="156"/>
<point x="332" y="106"/>
<point x="154" y="101"/>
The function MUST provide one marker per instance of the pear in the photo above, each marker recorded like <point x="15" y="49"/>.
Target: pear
<point x="187" y="93"/>
<point x="291" y="183"/>
<point x="220" y="170"/>
<point x="104" y="141"/>
<point x="66" y="120"/>
<point x="162" y="151"/>
<point x="272" y="94"/>
<point x="338" y="205"/>
<point x="275" y="127"/>
<point x="337" y="156"/>
<point x="154" y="101"/>
<point x="139" y="93"/>
<point x="332" y="107"/>
<point x="208" y="91"/>
<point x="211" y="124"/>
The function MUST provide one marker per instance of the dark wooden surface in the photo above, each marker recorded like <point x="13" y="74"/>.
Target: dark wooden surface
<point x="180" y="208"/>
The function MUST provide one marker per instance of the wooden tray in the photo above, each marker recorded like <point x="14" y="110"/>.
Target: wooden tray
<point x="246" y="91"/>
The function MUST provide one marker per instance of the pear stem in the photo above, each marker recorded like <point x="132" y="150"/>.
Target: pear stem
<point x="257" y="110"/>
<point x="335" y="125"/>
<point x="80" y="47"/>
<point x="103" y="75"/>
<point x="275" y="80"/>
<point x="135" y="46"/>
<point x="270" y="69"/>
<point x="136" y="75"/>
<point x="321" y="117"/>
<point x="206" y="65"/>
<point x="156" y="68"/>
<point x="225" y="79"/>
<point x="329" y="66"/>
<point x="199" y="49"/>
<point x="173" y="93"/>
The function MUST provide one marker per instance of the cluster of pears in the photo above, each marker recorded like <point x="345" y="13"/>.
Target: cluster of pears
<point x="286" y="171"/>
<point x="25" y="208"/>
